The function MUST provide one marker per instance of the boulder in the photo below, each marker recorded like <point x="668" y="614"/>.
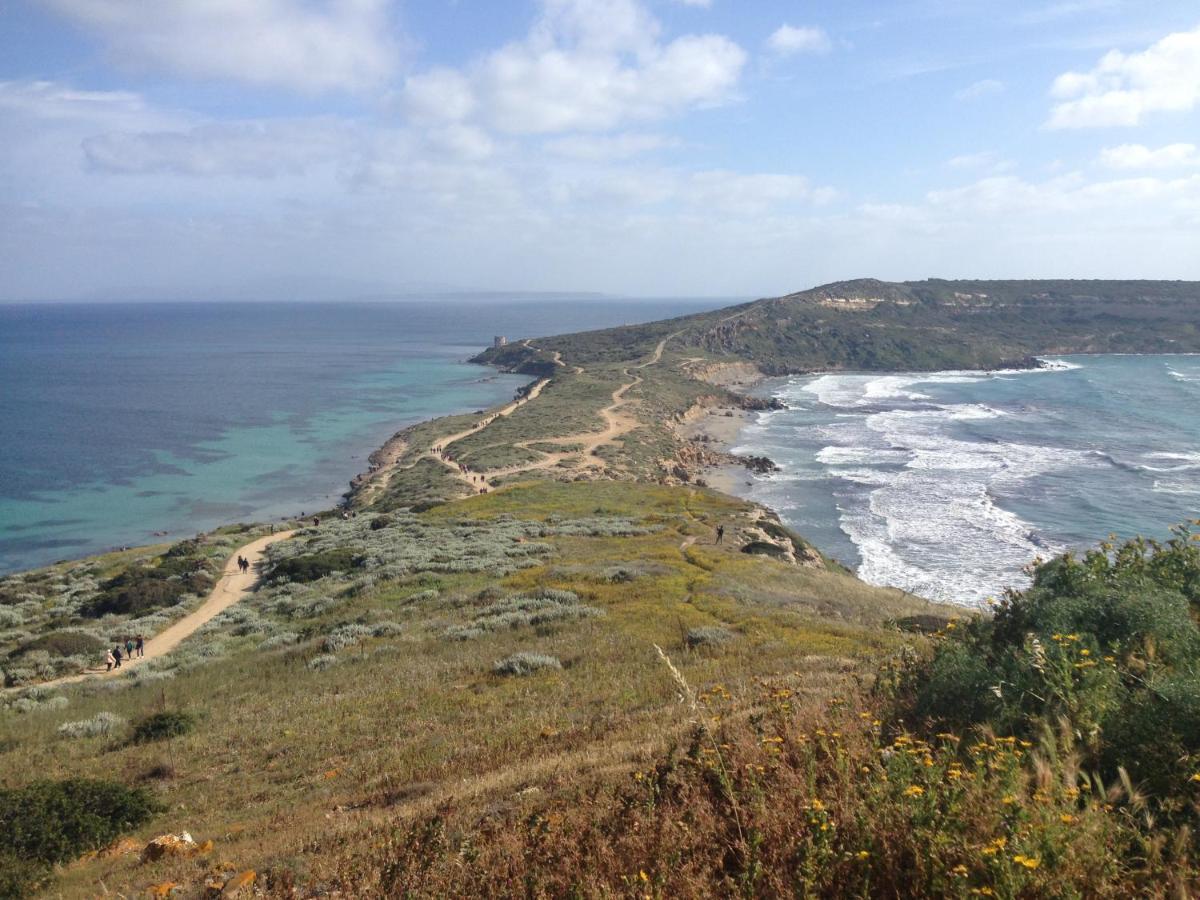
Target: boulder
<point x="169" y="845"/>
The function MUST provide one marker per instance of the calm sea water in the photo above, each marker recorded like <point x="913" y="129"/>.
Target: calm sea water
<point x="120" y="421"/>
<point x="949" y="484"/>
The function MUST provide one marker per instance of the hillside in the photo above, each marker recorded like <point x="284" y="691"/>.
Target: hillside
<point x="526" y="662"/>
<point x="874" y="325"/>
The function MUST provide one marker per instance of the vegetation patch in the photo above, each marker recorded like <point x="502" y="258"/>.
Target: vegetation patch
<point x="160" y="726"/>
<point x="46" y="823"/>
<point x="313" y="566"/>
<point x="525" y="664"/>
<point x="63" y="643"/>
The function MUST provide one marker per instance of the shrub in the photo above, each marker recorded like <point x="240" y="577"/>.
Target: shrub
<point x="162" y="725"/>
<point x="710" y="636"/>
<point x="283" y="639"/>
<point x="1105" y="644"/>
<point x="312" y="566"/>
<point x="143" y="589"/>
<point x="56" y="821"/>
<point x="322" y="662"/>
<point x="100" y="724"/>
<point x="764" y="548"/>
<point x="345" y="636"/>
<point x="524" y="663"/>
<point x="380" y="522"/>
<point x="63" y="643"/>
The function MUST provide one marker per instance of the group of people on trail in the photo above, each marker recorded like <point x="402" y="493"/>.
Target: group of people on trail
<point x="132" y="647"/>
<point x="463" y="470"/>
<point x="243" y="564"/>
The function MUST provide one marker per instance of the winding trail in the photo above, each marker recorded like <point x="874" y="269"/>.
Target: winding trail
<point x="583" y="444"/>
<point x="232" y="586"/>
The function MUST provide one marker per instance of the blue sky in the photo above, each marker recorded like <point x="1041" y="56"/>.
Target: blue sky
<point x="191" y="148"/>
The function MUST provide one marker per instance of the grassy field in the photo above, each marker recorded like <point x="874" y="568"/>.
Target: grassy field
<point x="370" y="696"/>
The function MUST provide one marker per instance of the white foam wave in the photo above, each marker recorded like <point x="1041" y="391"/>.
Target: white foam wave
<point x="1187" y="377"/>
<point x="1057" y="365"/>
<point x="1165" y="486"/>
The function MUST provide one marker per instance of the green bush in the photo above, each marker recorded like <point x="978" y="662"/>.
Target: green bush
<point x="525" y="663"/>
<point x="162" y="725"/>
<point x="380" y="522"/>
<point x="763" y="548"/>
<point x="63" y="643"/>
<point x="313" y="566"/>
<point x="143" y="589"/>
<point x="1106" y="643"/>
<point x="55" y="821"/>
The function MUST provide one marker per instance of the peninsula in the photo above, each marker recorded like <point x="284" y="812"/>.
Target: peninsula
<point x="538" y="654"/>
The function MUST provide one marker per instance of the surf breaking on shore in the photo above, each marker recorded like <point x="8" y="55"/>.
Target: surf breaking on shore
<point x="949" y="484"/>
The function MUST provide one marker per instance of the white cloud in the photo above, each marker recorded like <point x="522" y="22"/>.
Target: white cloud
<point x="596" y="148"/>
<point x="439" y="94"/>
<point x="787" y="40"/>
<point x="240" y="149"/>
<point x="750" y="194"/>
<point x="989" y="160"/>
<point x="1139" y="156"/>
<point x="987" y="87"/>
<point x="51" y="101"/>
<point x="586" y="65"/>
<point x="1123" y="88"/>
<point x="340" y="45"/>
<point x="703" y="4"/>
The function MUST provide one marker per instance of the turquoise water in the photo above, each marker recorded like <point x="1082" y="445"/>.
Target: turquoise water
<point x="948" y="484"/>
<point x="123" y="423"/>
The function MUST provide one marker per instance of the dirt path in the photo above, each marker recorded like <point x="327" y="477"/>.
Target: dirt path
<point x="586" y="443"/>
<point x="583" y="444"/>
<point x="230" y="588"/>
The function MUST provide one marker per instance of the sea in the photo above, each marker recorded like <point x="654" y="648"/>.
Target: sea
<point x="132" y="423"/>
<point x="949" y="484"/>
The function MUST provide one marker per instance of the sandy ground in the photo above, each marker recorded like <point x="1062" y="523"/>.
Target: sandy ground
<point x="230" y="588"/>
<point x="723" y="431"/>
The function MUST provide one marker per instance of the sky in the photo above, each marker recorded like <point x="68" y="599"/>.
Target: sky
<point x="181" y="149"/>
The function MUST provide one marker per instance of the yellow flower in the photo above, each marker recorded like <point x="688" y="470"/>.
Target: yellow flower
<point x="642" y="875"/>
<point x="1195" y="777"/>
<point x="1066" y="819"/>
<point x="862" y="854"/>
<point x="914" y="791"/>
<point x="960" y="869"/>
<point x="1029" y="862"/>
<point x="816" y="805"/>
<point x="1085" y="652"/>
<point x="1009" y="800"/>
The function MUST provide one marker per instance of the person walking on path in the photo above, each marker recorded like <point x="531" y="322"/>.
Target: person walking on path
<point x="129" y="648"/>
<point x="109" y="661"/>
<point x="117" y="655"/>
<point x="720" y="533"/>
<point x="141" y="645"/>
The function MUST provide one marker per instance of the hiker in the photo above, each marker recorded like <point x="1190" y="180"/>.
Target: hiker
<point x="316" y="521"/>
<point x="239" y="562"/>
<point x="116" y="652"/>
<point x="129" y="648"/>
<point x="141" y="645"/>
<point x="720" y="533"/>
<point x="109" y="662"/>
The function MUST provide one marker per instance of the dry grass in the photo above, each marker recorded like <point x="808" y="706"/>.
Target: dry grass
<point x="286" y="759"/>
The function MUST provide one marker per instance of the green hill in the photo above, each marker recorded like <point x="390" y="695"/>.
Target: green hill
<point x="923" y="325"/>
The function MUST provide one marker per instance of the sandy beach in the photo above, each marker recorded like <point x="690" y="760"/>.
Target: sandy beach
<point x="717" y="429"/>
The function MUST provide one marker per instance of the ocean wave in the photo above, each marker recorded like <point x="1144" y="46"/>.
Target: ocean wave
<point x="1056" y="365"/>
<point x="1164" y="486"/>
<point x="1186" y="377"/>
<point x="1185" y="462"/>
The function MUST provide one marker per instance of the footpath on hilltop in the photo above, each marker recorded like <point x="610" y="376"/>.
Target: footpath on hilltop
<point x="538" y="655"/>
